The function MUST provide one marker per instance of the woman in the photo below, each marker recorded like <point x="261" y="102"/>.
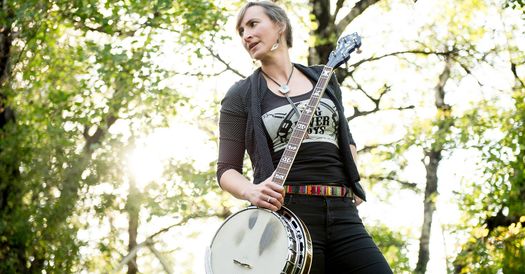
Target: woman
<point x="257" y="116"/>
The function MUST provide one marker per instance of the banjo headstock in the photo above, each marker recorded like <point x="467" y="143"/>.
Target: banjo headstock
<point x="345" y="46"/>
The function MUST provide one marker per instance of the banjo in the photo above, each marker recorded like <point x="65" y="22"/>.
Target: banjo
<point x="260" y="241"/>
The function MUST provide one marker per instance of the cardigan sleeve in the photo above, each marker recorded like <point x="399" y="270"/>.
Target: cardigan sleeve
<point x="232" y="127"/>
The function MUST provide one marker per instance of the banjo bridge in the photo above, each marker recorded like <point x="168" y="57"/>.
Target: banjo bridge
<point x="245" y="265"/>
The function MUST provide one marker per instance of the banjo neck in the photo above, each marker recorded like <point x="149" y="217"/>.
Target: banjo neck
<point x="299" y="132"/>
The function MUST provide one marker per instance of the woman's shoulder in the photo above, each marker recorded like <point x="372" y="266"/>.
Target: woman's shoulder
<point x="242" y="87"/>
<point x="313" y="69"/>
<point x="236" y="97"/>
<point x="239" y="89"/>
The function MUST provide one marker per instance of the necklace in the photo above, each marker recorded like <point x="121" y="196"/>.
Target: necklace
<point x="284" y="89"/>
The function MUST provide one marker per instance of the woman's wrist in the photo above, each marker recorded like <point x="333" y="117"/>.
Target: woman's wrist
<point x="245" y="193"/>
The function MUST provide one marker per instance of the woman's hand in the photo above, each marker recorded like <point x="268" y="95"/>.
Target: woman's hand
<point x="357" y="200"/>
<point x="267" y="194"/>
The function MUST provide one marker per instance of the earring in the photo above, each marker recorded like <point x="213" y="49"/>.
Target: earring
<point x="276" y="45"/>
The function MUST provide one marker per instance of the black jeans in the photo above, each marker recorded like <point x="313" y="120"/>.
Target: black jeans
<point x="341" y="243"/>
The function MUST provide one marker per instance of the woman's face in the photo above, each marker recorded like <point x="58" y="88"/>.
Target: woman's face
<point x="258" y="32"/>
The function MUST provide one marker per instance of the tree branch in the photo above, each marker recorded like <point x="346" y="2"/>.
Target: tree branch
<point x="376" y="101"/>
<point x="370" y="147"/>
<point x="338" y="7"/>
<point x="342" y="74"/>
<point x="357" y="10"/>
<point x="466" y="69"/>
<point x="414" y="51"/>
<point x="99" y="133"/>
<point x="165" y="265"/>
<point x="200" y="74"/>
<point x="228" y="67"/>
<point x="150" y="240"/>
<point x="515" y="73"/>
<point x="390" y="177"/>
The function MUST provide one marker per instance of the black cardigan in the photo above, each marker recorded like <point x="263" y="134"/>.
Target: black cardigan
<point x="241" y="114"/>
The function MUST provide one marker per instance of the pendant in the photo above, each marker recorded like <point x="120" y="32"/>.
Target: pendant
<point x="284" y="89"/>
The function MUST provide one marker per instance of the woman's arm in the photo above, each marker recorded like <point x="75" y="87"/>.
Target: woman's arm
<point x="232" y="127"/>
<point x="267" y="194"/>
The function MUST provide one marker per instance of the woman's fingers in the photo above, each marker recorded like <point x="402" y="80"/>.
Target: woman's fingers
<point x="270" y="202"/>
<point x="277" y="196"/>
<point x="357" y="200"/>
<point x="278" y="189"/>
<point x="269" y="195"/>
<point x="276" y="193"/>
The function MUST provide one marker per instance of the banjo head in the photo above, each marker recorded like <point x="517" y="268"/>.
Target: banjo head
<point x="253" y="240"/>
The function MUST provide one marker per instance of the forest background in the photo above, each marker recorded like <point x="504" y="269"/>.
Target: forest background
<point x="108" y="129"/>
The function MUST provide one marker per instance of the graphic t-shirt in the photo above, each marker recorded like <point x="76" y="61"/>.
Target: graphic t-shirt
<point x="318" y="160"/>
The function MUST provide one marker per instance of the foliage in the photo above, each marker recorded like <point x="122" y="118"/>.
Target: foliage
<point x="516" y="4"/>
<point x="393" y="246"/>
<point x="501" y="251"/>
<point x="494" y="209"/>
<point x="76" y="70"/>
<point x="84" y="82"/>
<point x="455" y="32"/>
<point x="497" y="241"/>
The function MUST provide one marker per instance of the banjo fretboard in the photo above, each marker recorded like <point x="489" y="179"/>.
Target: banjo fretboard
<point x="299" y="132"/>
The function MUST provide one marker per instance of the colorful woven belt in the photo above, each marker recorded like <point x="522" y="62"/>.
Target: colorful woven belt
<point x="319" y="190"/>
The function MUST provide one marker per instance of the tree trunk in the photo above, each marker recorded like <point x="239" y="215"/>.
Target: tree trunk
<point x="327" y="31"/>
<point x="6" y="113"/>
<point x="324" y="35"/>
<point x="133" y="208"/>
<point x="6" y="39"/>
<point x="429" y="208"/>
<point x="432" y="160"/>
<point x="11" y="189"/>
